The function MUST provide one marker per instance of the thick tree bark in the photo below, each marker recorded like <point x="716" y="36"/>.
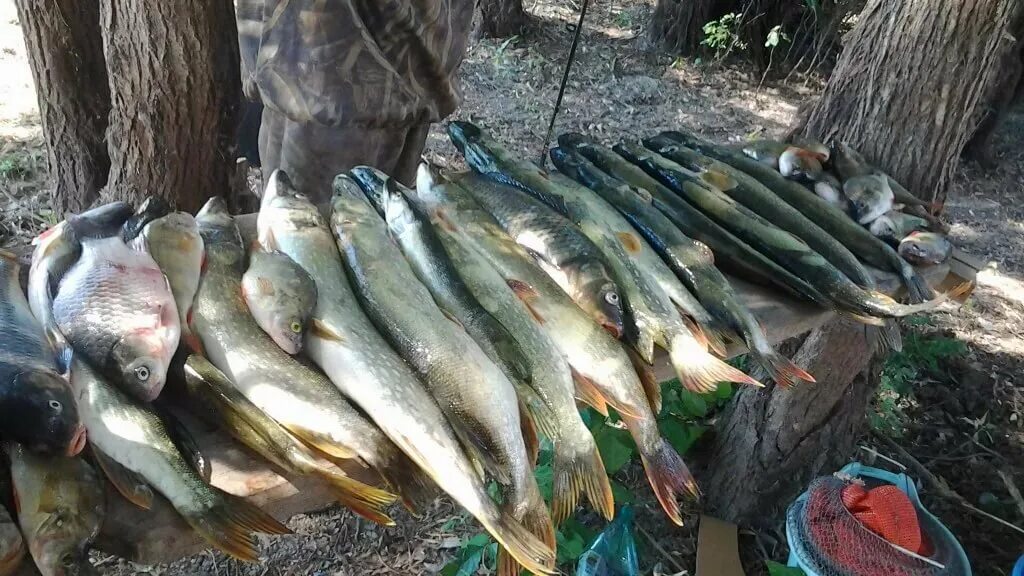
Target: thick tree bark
<point x="501" y="18"/>
<point x="908" y="86"/>
<point x="65" y="53"/>
<point x="771" y="442"/>
<point x="677" y="26"/>
<point x="174" y="83"/>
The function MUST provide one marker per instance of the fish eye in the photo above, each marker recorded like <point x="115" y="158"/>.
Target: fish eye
<point x="67" y="560"/>
<point x="295" y="327"/>
<point x="55" y="405"/>
<point x="142" y="373"/>
<point x="611" y="298"/>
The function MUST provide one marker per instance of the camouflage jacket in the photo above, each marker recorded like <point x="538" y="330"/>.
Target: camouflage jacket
<point x="371" y="63"/>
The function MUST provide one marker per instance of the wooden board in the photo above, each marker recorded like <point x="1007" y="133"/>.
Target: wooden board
<point x="159" y="535"/>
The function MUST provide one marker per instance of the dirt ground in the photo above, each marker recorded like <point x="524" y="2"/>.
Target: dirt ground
<point x="964" y="419"/>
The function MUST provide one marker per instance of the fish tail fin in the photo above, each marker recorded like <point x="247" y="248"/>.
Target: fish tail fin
<point x="228" y="525"/>
<point x="918" y="289"/>
<point x="364" y="500"/>
<point x="669" y="477"/>
<point x="781" y="369"/>
<point x="588" y="393"/>
<point x="537" y="521"/>
<point x="708" y="337"/>
<point x="517" y="541"/>
<point x="885" y="338"/>
<point x="880" y="304"/>
<point x="645" y="372"/>
<point x="701" y="372"/>
<point x="578" y="468"/>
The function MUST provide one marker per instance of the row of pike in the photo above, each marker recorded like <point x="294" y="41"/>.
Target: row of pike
<point x="441" y="330"/>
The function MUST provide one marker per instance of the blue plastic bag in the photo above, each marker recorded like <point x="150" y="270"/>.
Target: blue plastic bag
<point x="613" y="552"/>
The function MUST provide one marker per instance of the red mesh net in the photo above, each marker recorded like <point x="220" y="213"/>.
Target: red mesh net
<point x="844" y="528"/>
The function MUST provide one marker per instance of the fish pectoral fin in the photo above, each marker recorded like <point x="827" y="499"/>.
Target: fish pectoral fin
<point x="129" y="484"/>
<point x="587" y="392"/>
<point x="482" y="453"/>
<point x="440" y="218"/>
<point x="543" y="416"/>
<point x="529" y="431"/>
<point x="321" y="330"/>
<point x="719" y="180"/>
<point x="452" y="317"/>
<point x="334" y="451"/>
<point x="652" y="388"/>
<point x="526" y="295"/>
<point x="269" y="241"/>
<point x="629" y="241"/>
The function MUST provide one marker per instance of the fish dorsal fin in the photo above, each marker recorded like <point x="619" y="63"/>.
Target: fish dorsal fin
<point x="719" y="180"/>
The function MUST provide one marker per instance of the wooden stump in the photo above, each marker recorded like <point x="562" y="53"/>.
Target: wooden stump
<point x="771" y="442"/>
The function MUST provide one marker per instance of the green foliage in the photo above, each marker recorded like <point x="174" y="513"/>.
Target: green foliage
<point x="922" y="354"/>
<point x="722" y="35"/>
<point x="775" y="37"/>
<point x="15" y="166"/>
<point x="479" y="549"/>
<point x="776" y="569"/>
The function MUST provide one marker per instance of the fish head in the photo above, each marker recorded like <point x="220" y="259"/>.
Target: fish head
<point x="43" y="415"/>
<point x="606" y="305"/>
<point x="471" y="141"/>
<point x="349" y="203"/>
<point x="885" y="227"/>
<point x="281" y="307"/>
<point x="397" y="210"/>
<point x="372" y="182"/>
<point x="140" y="360"/>
<point x="867" y="207"/>
<point x="57" y="546"/>
<point x="925" y="248"/>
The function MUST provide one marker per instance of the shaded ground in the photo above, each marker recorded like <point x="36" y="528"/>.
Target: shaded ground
<point x="963" y="420"/>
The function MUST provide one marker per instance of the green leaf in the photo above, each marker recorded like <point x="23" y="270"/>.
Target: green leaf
<point x="776" y="569"/>
<point x="469" y="557"/>
<point x="545" y="476"/>
<point x="724" y="391"/>
<point x="622" y="494"/>
<point x="681" y="435"/>
<point x="478" y="541"/>
<point x="692" y="404"/>
<point x="572" y="540"/>
<point x="615" y="445"/>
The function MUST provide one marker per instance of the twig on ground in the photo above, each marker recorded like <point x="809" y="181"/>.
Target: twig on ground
<point x="654" y="543"/>
<point x="940" y="485"/>
<point x="1011" y="487"/>
<point x="878" y="454"/>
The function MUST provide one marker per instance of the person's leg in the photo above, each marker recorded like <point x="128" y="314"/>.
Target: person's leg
<point x="271" y="134"/>
<point x="405" y="166"/>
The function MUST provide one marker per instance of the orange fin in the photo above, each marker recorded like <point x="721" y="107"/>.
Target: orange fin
<point x="651" y="386"/>
<point x="529" y="431"/>
<point x="588" y="393"/>
<point x="719" y="180"/>
<point x="695" y="329"/>
<point x="538" y="522"/>
<point x="782" y="370"/>
<point x="629" y="241"/>
<point x="669" y="478"/>
<point x="701" y="372"/>
<point x="265" y="286"/>
<point x="526" y="295"/>
<point x="577" y="467"/>
<point x="440" y="217"/>
<point x="321" y="330"/>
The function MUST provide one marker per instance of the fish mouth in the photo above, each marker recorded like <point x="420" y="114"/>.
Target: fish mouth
<point x="612" y="328"/>
<point x="78" y="441"/>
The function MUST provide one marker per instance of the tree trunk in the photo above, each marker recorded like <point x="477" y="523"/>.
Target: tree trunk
<point x="501" y="18"/>
<point x="65" y="53"/>
<point x="771" y="442"/>
<point x="908" y="86"/>
<point x="677" y="26"/>
<point x="174" y="83"/>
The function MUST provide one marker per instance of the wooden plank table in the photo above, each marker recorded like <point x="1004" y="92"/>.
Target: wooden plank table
<point x="159" y="535"/>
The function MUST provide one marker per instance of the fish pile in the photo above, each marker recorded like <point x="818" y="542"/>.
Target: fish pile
<point x="433" y="334"/>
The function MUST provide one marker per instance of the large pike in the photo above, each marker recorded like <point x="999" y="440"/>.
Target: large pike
<point x="37" y="407"/>
<point x="345" y="344"/>
<point x="692" y="261"/>
<point x="61" y="507"/>
<point x="603" y="370"/>
<point x="480" y="402"/>
<point x="752" y="194"/>
<point x="134" y="436"/>
<point x="852" y="235"/>
<point x="427" y="258"/>
<point x="298" y="397"/>
<point x="782" y="246"/>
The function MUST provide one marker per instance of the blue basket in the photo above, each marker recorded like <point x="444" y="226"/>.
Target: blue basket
<point x="954" y="558"/>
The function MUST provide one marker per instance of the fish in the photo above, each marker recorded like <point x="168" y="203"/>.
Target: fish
<point x="563" y="251"/>
<point x="134" y="436"/>
<point x="177" y="248"/>
<point x="422" y="249"/>
<point x="765" y="151"/>
<point x="828" y="188"/>
<point x="731" y="253"/>
<point x="582" y="206"/>
<point x="281" y="297"/>
<point x="37" y="406"/>
<point x="300" y="398"/>
<point x="894" y="226"/>
<point x="152" y="208"/>
<point x="926" y="248"/>
<point x="602" y="370"/>
<point x="56" y="250"/>
<point x="478" y="400"/>
<point x="849" y="163"/>
<point x="12" y="545"/>
<point x="815" y="147"/>
<point x="853" y="236"/>
<point x="346" y="344"/>
<point x="692" y="261"/>
<point x="870" y="196"/>
<point x="213" y="396"/>
<point x="749" y="192"/>
<point x="61" y="507"/>
<point x="117" y="310"/>
<point x="576" y="464"/>
<point x="779" y="244"/>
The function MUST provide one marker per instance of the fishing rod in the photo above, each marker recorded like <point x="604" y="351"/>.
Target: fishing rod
<point x="565" y="80"/>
